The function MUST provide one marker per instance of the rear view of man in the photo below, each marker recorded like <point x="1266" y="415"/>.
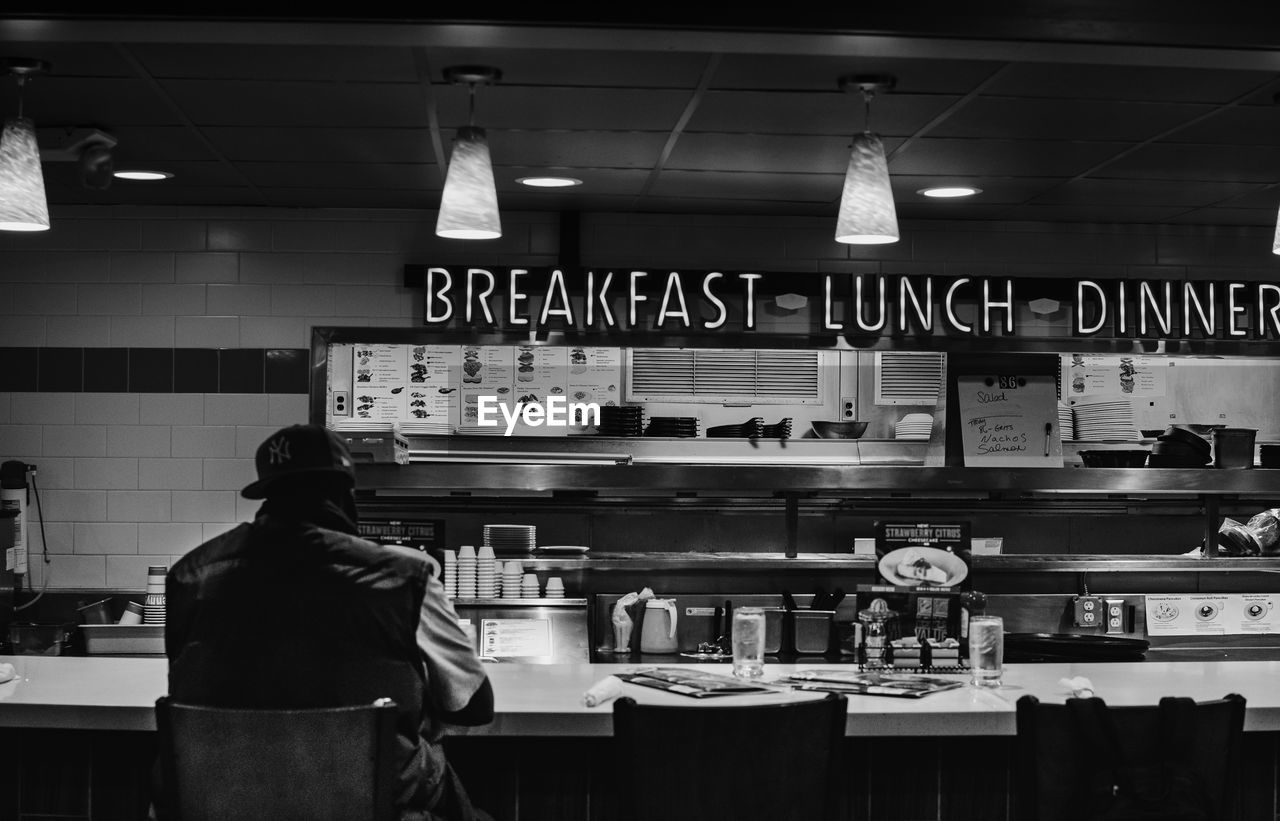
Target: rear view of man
<point x="295" y="610"/>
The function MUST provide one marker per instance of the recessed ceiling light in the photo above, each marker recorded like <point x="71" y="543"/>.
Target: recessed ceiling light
<point x="549" y="182"/>
<point x="950" y="192"/>
<point x="141" y="174"/>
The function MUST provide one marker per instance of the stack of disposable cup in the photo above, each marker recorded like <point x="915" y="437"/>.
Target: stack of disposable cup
<point x="485" y="573"/>
<point x="467" y="572"/>
<point x="511" y="573"/>
<point x="153" y="605"/>
<point x="529" y="587"/>
<point x="555" y="588"/>
<point x="451" y="574"/>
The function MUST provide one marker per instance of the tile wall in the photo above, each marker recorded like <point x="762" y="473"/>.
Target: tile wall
<point x="144" y="353"/>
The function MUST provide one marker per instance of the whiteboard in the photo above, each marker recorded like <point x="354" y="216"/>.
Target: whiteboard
<point x="1009" y="421"/>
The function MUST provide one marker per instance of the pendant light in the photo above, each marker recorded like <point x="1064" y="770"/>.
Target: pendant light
<point x="867" y="215"/>
<point x="1275" y="243"/>
<point x="23" y="206"/>
<point x="469" y="204"/>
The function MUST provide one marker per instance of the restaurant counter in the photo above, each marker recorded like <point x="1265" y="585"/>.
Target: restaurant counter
<point x="101" y="693"/>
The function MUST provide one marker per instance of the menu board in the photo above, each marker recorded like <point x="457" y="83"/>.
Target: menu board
<point x="1009" y="421"/>
<point x="1212" y="614"/>
<point x="507" y="638"/>
<point x="1092" y="375"/>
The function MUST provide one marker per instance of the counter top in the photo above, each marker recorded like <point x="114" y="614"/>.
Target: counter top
<point x="100" y="693"/>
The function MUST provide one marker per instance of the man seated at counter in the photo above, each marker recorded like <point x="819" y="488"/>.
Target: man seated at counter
<point x="294" y="610"/>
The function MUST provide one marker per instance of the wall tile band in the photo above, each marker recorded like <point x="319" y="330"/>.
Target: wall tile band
<point x="155" y="370"/>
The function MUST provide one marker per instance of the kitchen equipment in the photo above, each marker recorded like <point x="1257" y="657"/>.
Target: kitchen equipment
<point x="875" y="635"/>
<point x="773" y="619"/>
<point x="123" y="639"/>
<point x="658" y="632"/>
<point x="1025" y="647"/>
<point x="1233" y="447"/>
<point x="1114" y="458"/>
<point x="27" y="639"/>
<point x="98" y="612"/>
<point x="811" y="631"/>
<point x="838" y="430"/>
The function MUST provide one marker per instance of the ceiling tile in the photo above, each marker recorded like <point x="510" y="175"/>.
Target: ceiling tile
<point x="74" y="59"/>
<point x="1111" y="192"/>
<point x="1238" y="125"/>
<point x="342" y="175"/>
<point x="1014" y="118"/>
<point x="575" y="149"/>
<point x="370" y="64"/>
<point x="1111" y="82"/>
<point x="152" y="144"/>
<point x="1245" y="163"/>
<point x="525" y="67"/>
<point x="1000" y="157"/>
<point x="734" y="185"/>
<point x="822" y="73"/>
<point x="564" y="108"/>
<point x="1089" y="213"/>
<point x="595" y="181"/>
<point x="995" y="190"/>
<point x="350" y="198"/>
<point x="764" y="153"/>
<point x="1227" y="216"/>
<point x="781" y="112"/>
<point x="280" y="103"/>
<point x="90" y="101"/>
<point x="394" y="145"/>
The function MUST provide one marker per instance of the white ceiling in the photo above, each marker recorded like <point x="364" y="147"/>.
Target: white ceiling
<point x="1155" y="121"/>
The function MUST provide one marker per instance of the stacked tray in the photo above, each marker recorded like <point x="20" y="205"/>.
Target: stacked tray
<point x="675" y="426"/>
<point x="1180" y="447"/>
<point x="750" y="429"/>
<point x="511" y="538"/>
<point x="621" y="420"/>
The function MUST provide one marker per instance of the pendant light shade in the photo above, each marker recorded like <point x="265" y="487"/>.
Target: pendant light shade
<point x="469" y="205"/>
<point x="867" y="214"/>
<point x="1275" y="243"/>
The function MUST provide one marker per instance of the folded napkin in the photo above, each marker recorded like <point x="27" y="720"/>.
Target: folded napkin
<point x="7" y="672"/>
<point x="604" y="690"/>
<point x="1079" y="686"/>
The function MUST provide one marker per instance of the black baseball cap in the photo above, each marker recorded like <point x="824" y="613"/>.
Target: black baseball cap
<point x="298" y="451"/>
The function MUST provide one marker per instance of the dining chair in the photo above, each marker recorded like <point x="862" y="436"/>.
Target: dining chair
<point x="1074" y="760"/>
<point x="326" y="764"/>
<point x="709" y="761"/>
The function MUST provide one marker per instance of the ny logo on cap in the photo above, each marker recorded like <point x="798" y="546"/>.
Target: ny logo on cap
<point x="278" y="451"/>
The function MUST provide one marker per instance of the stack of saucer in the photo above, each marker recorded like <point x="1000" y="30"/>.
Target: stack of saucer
<point x="529" y="587"/>
<point x="678" y="426"/>
<point x="467" y="571"/>
<point x="511" y="574"/>
<point x="621" y="420"/>
<point x="451" y="574"/>
<point x="481" y="430"/>
<point x="555" y="588"/>
<point x="153" y="605"/>
<point x="426" y="428"/>
<point x="509" y="539"/>
<point x="1103" y="421"/>
<point x="486" y="573"/>
<point x="1066" y="423"/>
<point x="914" y="426"/>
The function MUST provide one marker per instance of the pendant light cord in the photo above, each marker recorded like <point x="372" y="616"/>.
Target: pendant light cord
<point x="471" y="105"/>
<point x="867" y="94"/>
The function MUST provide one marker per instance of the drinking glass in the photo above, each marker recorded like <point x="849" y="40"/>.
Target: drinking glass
<point x="748" y="642"/>
<point x="986" y="650"/>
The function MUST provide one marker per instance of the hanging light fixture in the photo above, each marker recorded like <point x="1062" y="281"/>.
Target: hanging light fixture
<point x="867" y="215"/>
<point x="469" y="204"/>
<point x="1275" y="243"/>
<point x="22" y="201"/>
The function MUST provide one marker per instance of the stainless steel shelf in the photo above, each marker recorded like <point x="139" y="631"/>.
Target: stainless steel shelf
<point x="809" y="479"/>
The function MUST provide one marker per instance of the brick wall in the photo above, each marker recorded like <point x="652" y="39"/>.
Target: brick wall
<point x="137" y="472"/>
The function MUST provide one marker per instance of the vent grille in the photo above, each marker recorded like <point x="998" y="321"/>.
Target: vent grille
<point x="908" y="378"/>
<point x="714" y="375"/>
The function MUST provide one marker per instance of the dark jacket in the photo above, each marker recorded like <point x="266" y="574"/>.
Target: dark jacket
<point x="290" y="611"/>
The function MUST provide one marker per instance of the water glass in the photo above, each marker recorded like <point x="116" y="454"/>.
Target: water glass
<point x="748" y="634"/>
<point x="986" y="650"/>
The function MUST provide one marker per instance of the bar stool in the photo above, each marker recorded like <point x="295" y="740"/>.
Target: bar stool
<point x="707" y="762"/>
<point x="328" y="764"/>
<point x="1073" y="758"/>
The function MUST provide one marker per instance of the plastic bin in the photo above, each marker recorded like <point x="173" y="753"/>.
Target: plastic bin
<point x="123" y="639"/>
<point x="38" y="639"/>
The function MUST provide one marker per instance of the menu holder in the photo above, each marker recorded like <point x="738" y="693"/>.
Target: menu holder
<point x="900" y="685"/>
<point x="693" y="683"/>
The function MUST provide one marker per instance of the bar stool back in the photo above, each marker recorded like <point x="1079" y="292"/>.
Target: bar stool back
<point x="706" y="762"/>
<point x="1084" y="760"/>
<point x="328" y="764"/>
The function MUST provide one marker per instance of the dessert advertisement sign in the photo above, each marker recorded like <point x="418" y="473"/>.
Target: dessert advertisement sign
<point x="1212" y="614"/>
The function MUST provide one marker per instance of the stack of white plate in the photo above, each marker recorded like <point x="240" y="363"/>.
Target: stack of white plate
<point x="451" y="574"/>
<point x="426" y="428"/>
<point x="486" y="573"/>
<point x="365" y="425"/>
<point x="1106" y="421"/>
<point x="1066" y="423"/>
<point x="529" y="588"/>
<point x="914" y="426"/>
<point x="511" y="538"/>
<point x="512" y="572"/>
<point x="467" y="571"/>
<point x="481" y="430"/>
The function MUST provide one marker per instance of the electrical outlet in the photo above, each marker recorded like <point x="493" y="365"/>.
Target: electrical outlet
<point x="1088" y="611"/>
<point x="849" y="407"/>
<point x="1117" y="611"/>
<point x="341" y="403"/>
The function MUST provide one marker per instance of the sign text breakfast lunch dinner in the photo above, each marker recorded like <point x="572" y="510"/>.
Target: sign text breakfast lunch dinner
<point x="628" y="299"/>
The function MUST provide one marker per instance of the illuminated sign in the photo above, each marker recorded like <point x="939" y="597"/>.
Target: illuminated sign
<point x="881" y="304"/>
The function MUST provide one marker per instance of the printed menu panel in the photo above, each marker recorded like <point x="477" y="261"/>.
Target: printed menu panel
<point x="506" y="638"/>
<point x="1009" y="421"/>
<point x="1092" y="375"/>
<point x="1212" y="614"/>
